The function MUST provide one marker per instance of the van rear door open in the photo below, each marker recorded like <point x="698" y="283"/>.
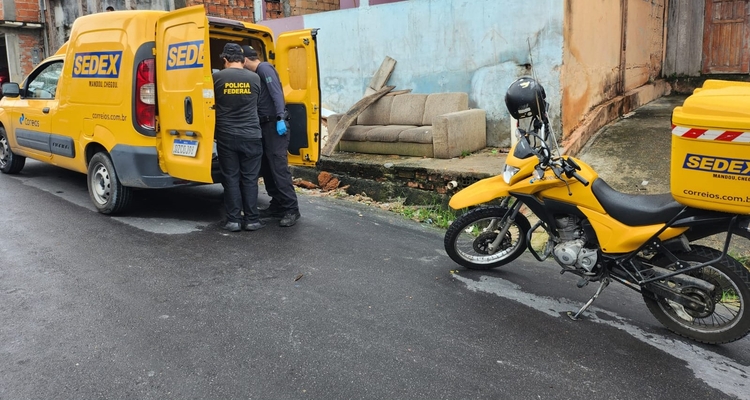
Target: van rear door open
<point x="185" y="94"/>
<point x="297" y="65"/>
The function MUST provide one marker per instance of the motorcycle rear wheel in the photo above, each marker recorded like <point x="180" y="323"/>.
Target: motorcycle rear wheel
<point x="729" y="319"/>
<point x="467" y="238"/>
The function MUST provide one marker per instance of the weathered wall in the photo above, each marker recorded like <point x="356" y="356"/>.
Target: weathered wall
<point x="64" y="12"/>
<point x="21" y="10"/>
<point x="241" y="10"/>
<point x="596" y="69"/>
<point x="591" y="60"/>
<point x="24" y="46"/>
<point x="25" y="50"/>
<point x="473" y="46"/>
<point x="644" y="42"/>
<point x="684" y="38"/>
<point x="291" y="8"/>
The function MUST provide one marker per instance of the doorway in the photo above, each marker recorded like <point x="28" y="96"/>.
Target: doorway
<point x="726" y="37"/>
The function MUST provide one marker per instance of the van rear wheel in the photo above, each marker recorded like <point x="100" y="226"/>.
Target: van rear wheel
<point x="9" y="162"/>
<point x="105" y="189"/>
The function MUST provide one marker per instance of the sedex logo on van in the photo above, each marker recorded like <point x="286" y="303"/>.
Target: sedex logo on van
<point x="97" y="64"/>
<point x="185" y="55"/>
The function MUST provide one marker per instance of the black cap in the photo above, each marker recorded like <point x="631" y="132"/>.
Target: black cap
<point x="249" y="51"/>
<point x="231" y="49"/>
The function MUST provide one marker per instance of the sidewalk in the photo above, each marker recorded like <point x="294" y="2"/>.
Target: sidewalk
<point x="631" y="154"/>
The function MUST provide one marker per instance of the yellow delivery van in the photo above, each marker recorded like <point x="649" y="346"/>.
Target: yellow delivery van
<point x="129" y="100"/>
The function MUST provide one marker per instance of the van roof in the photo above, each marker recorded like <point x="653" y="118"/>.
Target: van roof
<point x="93" y="22"/>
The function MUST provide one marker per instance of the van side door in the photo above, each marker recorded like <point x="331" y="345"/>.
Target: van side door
<point x="185" y="95"/>
<point x="32" y="114"/>
<point x="297" y="65"/>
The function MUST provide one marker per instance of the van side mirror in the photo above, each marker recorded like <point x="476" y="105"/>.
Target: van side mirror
<point x="11" y="89"/>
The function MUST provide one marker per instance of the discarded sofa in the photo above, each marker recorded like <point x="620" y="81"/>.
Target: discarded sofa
<point x="437" y="125"/>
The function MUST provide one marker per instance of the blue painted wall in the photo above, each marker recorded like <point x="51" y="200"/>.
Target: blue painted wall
<point x="473" y="46"/>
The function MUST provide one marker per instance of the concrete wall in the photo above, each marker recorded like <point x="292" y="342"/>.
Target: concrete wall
<point x="473" y="46"/>
<point x="611" y="48"/>
<point x="24" y="46"/>
<point x="644" y="42"/>
<point x="613" y="56"/>
<point x="684" y="38"/>
<point x="591" y="72"/>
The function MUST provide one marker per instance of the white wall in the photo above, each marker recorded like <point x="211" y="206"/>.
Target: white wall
<point x="474" y="46"/>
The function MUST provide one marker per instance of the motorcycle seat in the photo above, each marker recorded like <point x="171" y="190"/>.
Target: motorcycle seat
<point x="635" y="209"/>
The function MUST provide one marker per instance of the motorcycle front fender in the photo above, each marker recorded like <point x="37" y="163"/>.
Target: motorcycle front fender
<point x="486" y="190"/>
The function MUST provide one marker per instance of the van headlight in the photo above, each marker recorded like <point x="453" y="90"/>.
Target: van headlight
<point x="508" y="172"/>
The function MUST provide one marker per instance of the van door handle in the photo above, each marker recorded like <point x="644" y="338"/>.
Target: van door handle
<point x="189" y="110"/>
<point x="45" y="110"/>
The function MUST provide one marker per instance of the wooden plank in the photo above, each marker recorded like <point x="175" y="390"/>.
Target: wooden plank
<point x="349" y="117"/>
<point x="381" y="76"/>
<point x="398" y="92"/>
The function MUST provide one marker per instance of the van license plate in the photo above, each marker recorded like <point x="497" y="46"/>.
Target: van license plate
<point x="182" y="147"/>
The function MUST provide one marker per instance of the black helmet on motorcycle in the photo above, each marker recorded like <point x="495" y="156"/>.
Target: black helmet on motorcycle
<point x="525" y="98"/>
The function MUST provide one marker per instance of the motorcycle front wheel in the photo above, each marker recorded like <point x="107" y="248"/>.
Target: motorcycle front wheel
<point x="728" y="317"/>
<point x="468" y="238"/>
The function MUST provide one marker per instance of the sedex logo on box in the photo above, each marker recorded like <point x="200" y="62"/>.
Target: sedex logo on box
<point x="97" y="64"/>
<point x="734" y="166"/>
<point x="185" y="55"/>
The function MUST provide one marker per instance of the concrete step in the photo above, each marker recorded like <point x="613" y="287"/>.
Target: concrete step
<point x="417" y="180"/>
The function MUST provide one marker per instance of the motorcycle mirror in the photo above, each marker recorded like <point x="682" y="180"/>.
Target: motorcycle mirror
<point x="574" y="164"/>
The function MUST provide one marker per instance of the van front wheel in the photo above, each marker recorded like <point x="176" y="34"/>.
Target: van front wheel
<point x="105" y="189"/>
<point x="9" y="162"/>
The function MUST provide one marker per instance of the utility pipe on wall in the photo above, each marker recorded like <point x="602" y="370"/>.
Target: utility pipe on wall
<point x="45" y="25"/>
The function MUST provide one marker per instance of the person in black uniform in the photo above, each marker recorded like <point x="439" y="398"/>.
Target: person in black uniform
<point x="238" y="139"/>
<point x="275" y="166"/>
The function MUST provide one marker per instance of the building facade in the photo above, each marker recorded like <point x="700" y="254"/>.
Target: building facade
<point x="597" y="58"/>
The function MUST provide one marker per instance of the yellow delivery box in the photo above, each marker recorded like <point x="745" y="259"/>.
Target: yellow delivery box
<point x="710" y="165"/>
<point x="719" y="84"/>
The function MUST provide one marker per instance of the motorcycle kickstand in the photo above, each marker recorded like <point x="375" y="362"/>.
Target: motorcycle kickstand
<point x="604" y="283"/>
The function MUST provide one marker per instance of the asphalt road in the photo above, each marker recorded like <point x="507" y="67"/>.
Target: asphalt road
<point x="351" y="303"/>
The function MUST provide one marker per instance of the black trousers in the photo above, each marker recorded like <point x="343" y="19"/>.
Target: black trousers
<point x="275" y="169"/>
<point x="239" y="160"/>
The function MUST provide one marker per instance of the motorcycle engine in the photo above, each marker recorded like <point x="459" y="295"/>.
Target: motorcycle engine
<point x="570" y="252"/>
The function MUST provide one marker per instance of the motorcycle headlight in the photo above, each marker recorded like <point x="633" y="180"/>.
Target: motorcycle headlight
<point x="508" y="173"/>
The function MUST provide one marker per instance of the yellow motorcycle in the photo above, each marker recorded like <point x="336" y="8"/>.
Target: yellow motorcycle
<point x="645" y="242"/>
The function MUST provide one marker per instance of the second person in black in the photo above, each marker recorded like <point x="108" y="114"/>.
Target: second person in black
<point x="275" y="165"/>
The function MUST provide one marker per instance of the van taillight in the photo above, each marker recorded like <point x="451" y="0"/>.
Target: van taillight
<point x="145" y="90"/>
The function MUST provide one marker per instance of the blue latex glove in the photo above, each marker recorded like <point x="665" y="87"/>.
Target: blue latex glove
<point x="280" y="128"/>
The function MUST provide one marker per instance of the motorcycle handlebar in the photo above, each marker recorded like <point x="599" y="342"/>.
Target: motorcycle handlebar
<point x="580" y="179"/>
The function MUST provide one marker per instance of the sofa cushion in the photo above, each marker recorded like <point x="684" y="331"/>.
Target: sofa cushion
<point x="357" y="133"/>
<point x="400" y="148"/>
<point x="378" y="113"/>
<point x="407" y="109"/>
<point x="388" y="133"/>
<point x="443" y="103"/>
<point x="420" y="134"/>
